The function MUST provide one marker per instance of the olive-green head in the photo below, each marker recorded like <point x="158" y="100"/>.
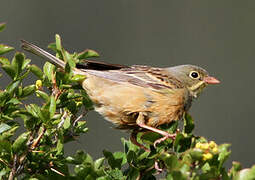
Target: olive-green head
<point x="194" y="78"/>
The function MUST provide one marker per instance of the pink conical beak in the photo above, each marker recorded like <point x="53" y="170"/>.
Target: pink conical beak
<point x="211" y="80"/>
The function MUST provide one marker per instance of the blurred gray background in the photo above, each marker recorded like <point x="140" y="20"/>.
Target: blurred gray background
<point x="217" y="35"/>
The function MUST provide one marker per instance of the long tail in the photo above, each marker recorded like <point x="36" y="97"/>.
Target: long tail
<point x="40" y="52"/>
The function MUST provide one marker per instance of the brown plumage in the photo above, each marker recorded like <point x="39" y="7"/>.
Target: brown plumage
<point x="138" y="97"/>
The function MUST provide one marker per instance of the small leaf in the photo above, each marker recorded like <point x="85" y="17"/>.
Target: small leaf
<point x="176" y="175"/>
<point x="224" y="153"/>
<point x="4" y="127"/>
<point x="133" y="174"/>
<point x="196" y="154"/>
<point x="4" y="61"/>
<point x="48" y="70"/>
<point x="188" y="124"/>
<point x="5" y="49"/>
<point x="53" y="47"/>
<point x="2" y="26"/>
<point x="20" y="143"/>
<point x="171" y="162"/>
<point x="236" y="167"/>
<point x="4" y="96"/>
<point x="58" y="43"/>
<point x="28" y="90"/>
<point x="33" y="109"/>
<point x="115" y="174"/>
<point x="17" y="63"/>
<point x="88" y="53"/>
<point x="114" y="160"/>
<point x="78" y="78"/>
<point x="14" y="101"/>
<point x="25" y="63"/>
<point x="9" y="133"/>
<point x="36" y="71"/>
<point x="67" y="122"/>
<point x="9" y="70"/>
<point x="246" y="174"/>
<point x="43" y="95"/>
<point x="99" y="163"/>
<point x="60" y="147"/>
<point x="12" y="86"/>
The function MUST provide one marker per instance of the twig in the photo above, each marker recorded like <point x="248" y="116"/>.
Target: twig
<point x="79" y="117"/>
<point x="36" y="142"/>
<point x="13" y="171"/>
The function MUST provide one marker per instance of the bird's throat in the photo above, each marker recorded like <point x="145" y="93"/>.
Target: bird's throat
<point x="196" y="88"/>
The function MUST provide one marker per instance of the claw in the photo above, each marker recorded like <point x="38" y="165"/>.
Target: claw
<point x="156" y="165"/>
<point x="172" y="136"/>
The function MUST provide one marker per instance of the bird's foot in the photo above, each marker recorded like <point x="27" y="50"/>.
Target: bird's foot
<point x="166" y="136"/>
<point x="156" y="166"/>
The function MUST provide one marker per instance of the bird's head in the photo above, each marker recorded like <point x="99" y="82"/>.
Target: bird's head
<point x="194" y="78"/>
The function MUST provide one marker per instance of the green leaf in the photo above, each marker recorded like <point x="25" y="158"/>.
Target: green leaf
<point x="25" y="63"/>
<point x="88" y="53"/>
<point x="176" y="175"/>
<point x="115" y="160"/>
<point x="246" y="174"/>
<point x="53" y="47"/>
<point x="188" y="124"/>
<point x="58" y="43"/>
<point x="4" y="61"/>
<point x="28" y="90"/>
<point x="149" y="137"/>
<point x="178" y="142"/>
<point x="5" y="146"/>
<point x="12" y="86"/>
<point x="196" y="154"/>
<point x="19" y="144"/>
<point x="17" y="63"/>
<point x="236" y="167"/>
<point x="67" y="122"/>
<point x="5" y="49"/>
<point x="60" y="147"/>
<point x="14" y="101"/>
<point x="36" y="71"/>
<point x="206" y="167"/>
<point x="43" y="95"/>
<point x="69" y="59"/>
<point x="9" y="133"/>
<point x="2" y="26"/>
<point x="52" y="107"/>
<point x="223" y="154"/>
<point x="4" y="127"/>
<point x="99" y="163"/>
<point x="48" y="70"/>
<point x="33" y="109"/>
<point x="171" y="161"/>
<point x="81" y="127"/>
<point x="9" y="70"/>
<point x="115" y="174"/>
<point x="78" y="78"/>
<point x="131" y="157"/>
<point x="133" y="173"/>
<point x="4" y="96"/>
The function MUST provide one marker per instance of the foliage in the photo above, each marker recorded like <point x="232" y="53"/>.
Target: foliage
<point x="38" y="153"/>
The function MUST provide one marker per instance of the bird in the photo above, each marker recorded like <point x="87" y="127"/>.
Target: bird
<point x="137" y="97"/>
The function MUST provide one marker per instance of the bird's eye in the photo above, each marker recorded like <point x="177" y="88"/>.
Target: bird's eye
<point x="194" y="74"/>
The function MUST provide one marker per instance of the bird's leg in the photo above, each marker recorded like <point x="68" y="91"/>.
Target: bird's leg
<point x="134" y="141"/>
<point x="166" y="135"/>
<point x="156" y="166"/>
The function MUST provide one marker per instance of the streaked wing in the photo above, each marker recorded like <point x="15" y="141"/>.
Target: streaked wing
<point x="99" y="65"/>
<point x="143" y="76"/>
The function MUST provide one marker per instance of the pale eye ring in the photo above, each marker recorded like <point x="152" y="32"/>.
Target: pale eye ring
<point x="194" y="74"/>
